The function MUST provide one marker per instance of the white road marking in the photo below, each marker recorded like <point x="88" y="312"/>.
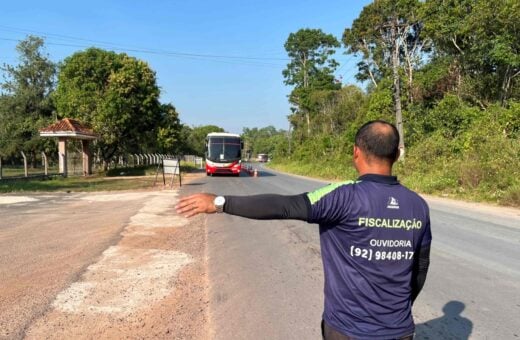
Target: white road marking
<point x="124" y="280"/>
<point x="156" y="213"/>
<point x="130" y="196"/>
<point x="16" y="199"/>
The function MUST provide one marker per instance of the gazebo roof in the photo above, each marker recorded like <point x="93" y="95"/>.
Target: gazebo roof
<point x="68" y="127"/>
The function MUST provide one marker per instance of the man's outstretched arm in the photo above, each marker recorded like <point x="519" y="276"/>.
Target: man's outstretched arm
<point x="261" y="207"/>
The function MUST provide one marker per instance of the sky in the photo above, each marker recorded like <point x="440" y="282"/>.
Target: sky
<point x="217" y="62"/>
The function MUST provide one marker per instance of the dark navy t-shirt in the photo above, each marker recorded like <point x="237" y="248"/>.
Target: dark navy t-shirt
<point x="370" y="231"/>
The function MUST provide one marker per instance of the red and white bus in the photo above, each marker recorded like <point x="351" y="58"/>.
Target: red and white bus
<point x="223" y="154"/>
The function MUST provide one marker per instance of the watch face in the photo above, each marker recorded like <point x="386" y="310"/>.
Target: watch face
<point x="219" y="200"/>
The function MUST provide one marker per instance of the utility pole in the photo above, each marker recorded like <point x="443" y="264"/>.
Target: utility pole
<point x="397" y="88"/>
<point x="394" y="43"/>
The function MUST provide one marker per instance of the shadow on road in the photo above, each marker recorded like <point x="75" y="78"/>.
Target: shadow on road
<point x="449" y="326"/>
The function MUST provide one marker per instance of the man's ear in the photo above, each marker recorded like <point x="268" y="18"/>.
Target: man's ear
<point x="359" y="154"/>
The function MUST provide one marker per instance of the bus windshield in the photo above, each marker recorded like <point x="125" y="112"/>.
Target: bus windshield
<point x="223" y="149"/>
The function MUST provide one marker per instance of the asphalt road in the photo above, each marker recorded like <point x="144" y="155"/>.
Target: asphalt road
<point x="266" y="277"/>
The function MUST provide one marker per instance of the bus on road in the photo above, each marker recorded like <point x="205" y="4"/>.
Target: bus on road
<point x="223" y="154"/>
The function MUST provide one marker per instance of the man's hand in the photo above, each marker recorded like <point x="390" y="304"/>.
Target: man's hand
<point x="196" y="204"/>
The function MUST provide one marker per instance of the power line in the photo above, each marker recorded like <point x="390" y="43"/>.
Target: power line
<point x="169" y="54"/>
<point x="345" y="63"/>
<point x="140" y="49"/>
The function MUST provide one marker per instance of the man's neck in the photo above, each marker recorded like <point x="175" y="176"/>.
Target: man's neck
<point x="376" y="169"/>
<point x="375" y="172"/>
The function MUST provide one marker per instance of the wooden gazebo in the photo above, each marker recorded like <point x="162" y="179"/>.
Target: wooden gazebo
<point x="68" y="128"/>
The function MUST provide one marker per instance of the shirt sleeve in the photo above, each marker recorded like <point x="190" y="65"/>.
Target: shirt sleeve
<point x="426" y="237"/>
<point x="269" y="206"/>
<point x="329" y="204"/>
<point x="421" y="261"/>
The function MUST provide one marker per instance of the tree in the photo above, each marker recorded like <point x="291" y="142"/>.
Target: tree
<point x="483" y="40"/>
<point x="197" y="138"/>
<point x="386" y="32"/>
<point x="115" y="93"/>
<point x="264" y="140"/>
<point x="25" y="102"/>
<point x="169" y="133"/>
<point x="311" y="67"/>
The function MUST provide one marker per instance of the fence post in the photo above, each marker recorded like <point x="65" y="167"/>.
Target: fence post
<point x="0" y="167"/>
<point x="45" y="164"/>
<point x="25" y="164"/>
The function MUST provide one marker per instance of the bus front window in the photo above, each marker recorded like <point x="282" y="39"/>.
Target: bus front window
<point x="224" y="149"/>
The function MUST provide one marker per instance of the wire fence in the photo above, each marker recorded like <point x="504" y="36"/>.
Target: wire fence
<point x="28" y="165"/>
<point x="43" y="165"/>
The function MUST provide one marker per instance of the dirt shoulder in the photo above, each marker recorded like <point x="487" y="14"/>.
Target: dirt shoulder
<point x="479" y="207"/>
<point x="151" y="283"/>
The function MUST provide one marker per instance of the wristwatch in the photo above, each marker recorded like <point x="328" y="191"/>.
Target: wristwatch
<point x="219" y="202"/>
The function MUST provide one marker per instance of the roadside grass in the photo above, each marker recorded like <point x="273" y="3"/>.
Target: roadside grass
<point x="76" y="184"/>
<point x="445" y="181"/>
<point x="325" y="171"/>
<point x="144" y="170"/>
<point x="114" y="179"/>
<point x="19" y="171"/>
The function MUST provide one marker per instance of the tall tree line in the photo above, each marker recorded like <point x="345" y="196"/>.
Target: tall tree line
<point x="116" y="94"/>
<point x="446" y="72"/>
<point x="412" y="55"/>
<point x="25" y="100"/>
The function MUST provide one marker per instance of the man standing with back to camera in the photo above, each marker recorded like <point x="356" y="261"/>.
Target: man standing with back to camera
<point x="374" y="234"/>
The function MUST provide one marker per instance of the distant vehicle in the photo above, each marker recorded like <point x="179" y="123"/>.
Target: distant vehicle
<point x="223" y="154"/>
<point x="262" y="157"/>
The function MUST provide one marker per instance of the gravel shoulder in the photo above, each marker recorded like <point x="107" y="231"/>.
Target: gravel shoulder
<point x="102" y="265"/>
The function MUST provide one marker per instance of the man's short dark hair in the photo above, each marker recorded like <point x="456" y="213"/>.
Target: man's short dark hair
<point x="378" y="139"/>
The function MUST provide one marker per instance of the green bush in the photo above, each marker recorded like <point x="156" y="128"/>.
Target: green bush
<point x="482" y="163"/>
